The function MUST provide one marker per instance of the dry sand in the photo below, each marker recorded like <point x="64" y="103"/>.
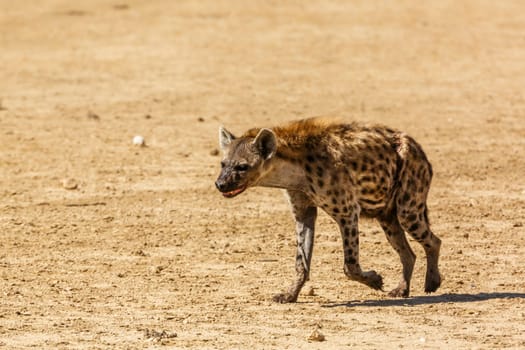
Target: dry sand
<point x="106" y="245"/>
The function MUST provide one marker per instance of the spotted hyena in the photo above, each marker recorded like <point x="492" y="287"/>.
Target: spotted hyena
<point x="348" y="170"/>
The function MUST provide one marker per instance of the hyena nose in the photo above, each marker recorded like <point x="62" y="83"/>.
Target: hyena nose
<point x="220" y="185"/>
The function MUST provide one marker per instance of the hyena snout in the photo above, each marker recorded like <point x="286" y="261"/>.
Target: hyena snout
<point x="221" y="185"/>
<point x="228" y="186"/>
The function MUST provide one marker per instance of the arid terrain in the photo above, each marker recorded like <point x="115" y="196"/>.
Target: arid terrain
<point x="109" y="245"/>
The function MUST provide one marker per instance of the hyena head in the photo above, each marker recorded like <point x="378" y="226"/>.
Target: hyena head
<point x="245" y="160"/>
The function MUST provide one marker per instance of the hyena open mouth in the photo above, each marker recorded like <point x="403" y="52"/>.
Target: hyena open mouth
<point x="234" y="193"/>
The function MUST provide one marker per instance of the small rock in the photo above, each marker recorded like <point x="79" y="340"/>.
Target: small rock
<point x="214" y="152"/>
<point x="310" y="292"/>
<point x="156" y="336"/>
<point x="147" y="116"/>
<point x="157" y="269"/>
<point x="121" y="6"/>
<point x="316" y="336"/>
<point x="140" y="252"/>
<point x="518" y="224"/>
<point x="93" y="116"/>
<point x="76" y="13"/>
<point x="69" y="184"/>
<point x="23" y="313"/>
<point x="200" y="119"/>
<point x="139" y="141"/>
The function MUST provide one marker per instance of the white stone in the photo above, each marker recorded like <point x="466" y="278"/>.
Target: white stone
<point x="139" y="141"/>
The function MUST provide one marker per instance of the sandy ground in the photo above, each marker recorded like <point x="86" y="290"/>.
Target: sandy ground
<point x="108" y="245"/>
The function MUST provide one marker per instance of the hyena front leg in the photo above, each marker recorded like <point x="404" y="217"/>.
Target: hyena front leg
<point x="348" y="224"/>
<point x="305" y="214"/>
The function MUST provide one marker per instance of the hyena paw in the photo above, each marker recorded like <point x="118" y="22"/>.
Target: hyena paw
<point x="432" y="283"/>
<point x="402" y="290"/>
<point x="373" y="280"/>
<point x="284" y="298"/>
<point x="399" y="292"/>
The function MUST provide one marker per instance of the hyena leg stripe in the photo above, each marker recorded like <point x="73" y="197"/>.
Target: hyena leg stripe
<point x="305" y="216"/>
<point x="304" y="228"/>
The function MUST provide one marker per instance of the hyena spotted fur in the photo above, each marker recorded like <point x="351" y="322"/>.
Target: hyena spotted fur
<point x="348" y="170"/>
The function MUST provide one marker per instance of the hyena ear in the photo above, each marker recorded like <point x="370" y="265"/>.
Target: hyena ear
<point x="225" y="138"/>
<point x="266" y="143"/>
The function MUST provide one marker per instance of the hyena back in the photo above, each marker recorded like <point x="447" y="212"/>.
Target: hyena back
<point x="348" y="170"/>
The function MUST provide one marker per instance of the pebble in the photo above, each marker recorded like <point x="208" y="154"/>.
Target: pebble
<point x="69" y="184"/>
<point x="139" y="141"/>
<point x="316" y="336"/>
<point x="157" y="269"/>
<point x="157" y="336"/>
<point x="93" y="116"/>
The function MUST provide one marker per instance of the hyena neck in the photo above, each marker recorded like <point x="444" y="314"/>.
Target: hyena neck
<point x="282" y="173"/>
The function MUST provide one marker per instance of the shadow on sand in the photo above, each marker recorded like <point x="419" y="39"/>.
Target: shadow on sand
<point x="428" y="299"/>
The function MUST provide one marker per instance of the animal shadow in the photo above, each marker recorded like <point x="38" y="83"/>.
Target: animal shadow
<point x="428" y="299"/>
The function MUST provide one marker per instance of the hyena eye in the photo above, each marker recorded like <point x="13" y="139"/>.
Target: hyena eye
<point x="241" y="167"/>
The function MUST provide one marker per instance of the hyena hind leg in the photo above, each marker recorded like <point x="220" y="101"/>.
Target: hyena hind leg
<point x="415" y="222"/>
<point x="396" y="237"/>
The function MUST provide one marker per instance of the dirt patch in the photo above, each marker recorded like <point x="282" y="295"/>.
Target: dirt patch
<point x="106" y="244"/>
